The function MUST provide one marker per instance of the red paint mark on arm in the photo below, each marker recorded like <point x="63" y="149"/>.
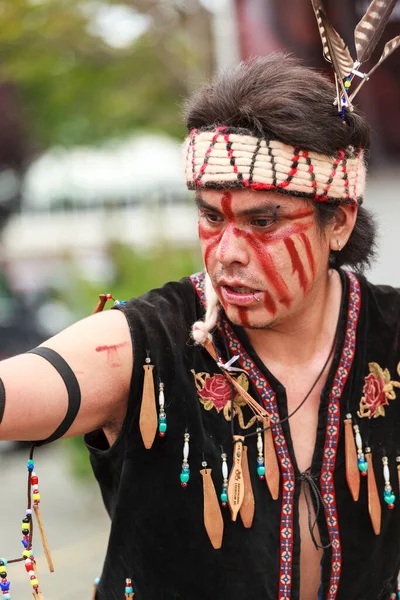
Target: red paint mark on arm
<point x="113" y="358"/>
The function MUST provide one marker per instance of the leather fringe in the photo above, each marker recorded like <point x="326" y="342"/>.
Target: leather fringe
<point x="213" y="520"/>
<point x="272" y="473"/>
<point x="148" y="421"/>
<point x="374" y="504"/>
<point x="248" y="507"/>
<point x="352" y="471"/>
<point x="236" y="479"/>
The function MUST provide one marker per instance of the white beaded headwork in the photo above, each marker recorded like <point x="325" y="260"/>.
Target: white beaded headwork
<point x="233" y="158"/>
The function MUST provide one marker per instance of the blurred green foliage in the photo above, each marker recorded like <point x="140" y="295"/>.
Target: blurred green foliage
<point x="75" y="88"/>
<point x="135" y="273"/>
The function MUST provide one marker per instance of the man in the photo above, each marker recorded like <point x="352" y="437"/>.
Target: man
<point x="279" y="180"/>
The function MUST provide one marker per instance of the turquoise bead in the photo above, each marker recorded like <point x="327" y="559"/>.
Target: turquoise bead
<point x="186" y="468"/>
<point x="363" y="466"/>
<point x="389" y="498"/>
<point x="6" y="596"/>
<point x="184" y="477"/>
<point x="31" y="464"/>
<point x="4" y="562"/>
<point x="129" y="590"/>
<point x="261" y="470"/>
<point x="97" y="581"/>
<point x="224" y="497"/>
<point x="163" y="419"/>
<point x="163" y="427"/>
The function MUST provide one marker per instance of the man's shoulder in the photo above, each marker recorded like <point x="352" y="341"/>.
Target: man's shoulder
<point x="382" y="301"/>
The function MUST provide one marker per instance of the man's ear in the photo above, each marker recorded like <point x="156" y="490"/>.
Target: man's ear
<point x="342" y="226"/>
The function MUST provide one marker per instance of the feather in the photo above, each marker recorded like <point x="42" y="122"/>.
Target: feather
<point x="389" y="48"/>
<point x="369" y="30"/>
<point x="335" y="49"/>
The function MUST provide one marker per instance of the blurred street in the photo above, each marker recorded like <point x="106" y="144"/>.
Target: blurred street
<point x="74" y="520"/>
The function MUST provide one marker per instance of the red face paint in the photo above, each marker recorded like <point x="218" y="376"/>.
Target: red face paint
<point x="112" y="353"/>
<point x="309" y="252"/>
<point x="226" y="205"/>
<point x="297" y="265"/>
<point x="243" y="316"/>
<point x="269" y="303"/>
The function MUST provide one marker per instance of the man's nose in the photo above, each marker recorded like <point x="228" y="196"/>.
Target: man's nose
<point x="232" y="247"/>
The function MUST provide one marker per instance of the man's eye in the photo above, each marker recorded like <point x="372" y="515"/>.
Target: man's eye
<point x="263" y="223"/>
<point x="211" y="217"/>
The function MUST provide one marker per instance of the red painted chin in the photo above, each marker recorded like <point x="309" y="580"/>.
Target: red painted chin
<point x="235" y="298"/>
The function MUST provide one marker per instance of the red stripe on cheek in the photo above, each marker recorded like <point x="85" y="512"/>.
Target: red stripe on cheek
<point x="212" y="238"/>
<point x="243" y="316"/>
<point x="269" y="303"/>
<point x="310" y="256"/>
<point x="297" y="265"/>
<point x="268" y="266"/>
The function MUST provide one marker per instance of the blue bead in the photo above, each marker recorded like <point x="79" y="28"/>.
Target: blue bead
<point x="162" y="427"/>
<point x="261" y="470"/>
<point x="184" y="477"/>
<point x="25" y="543"/>
<point x="129" y="590"/>
<point x="97" y="581"/>
<point x="389" y="499"/>
<point x="224" y="497"/>
<point x="162" y="419"/>
<point x="3" y="562"/>
<point x="31" y="464"/>
<point x="363" y="465"/>
<point x="260" y="460"/>
<point x="186" y="468"/>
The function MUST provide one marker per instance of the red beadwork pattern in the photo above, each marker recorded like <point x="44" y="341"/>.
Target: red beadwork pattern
<point x="332" y="434"/>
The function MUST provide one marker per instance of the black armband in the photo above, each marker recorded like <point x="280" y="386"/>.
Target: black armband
<point x="73" y="389"/>
<point x="2" y="400"/>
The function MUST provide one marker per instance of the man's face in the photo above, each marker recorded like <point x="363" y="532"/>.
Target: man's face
<point x="263" y="251"/>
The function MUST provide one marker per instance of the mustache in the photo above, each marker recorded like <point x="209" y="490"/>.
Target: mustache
<point x="252" y="282"/>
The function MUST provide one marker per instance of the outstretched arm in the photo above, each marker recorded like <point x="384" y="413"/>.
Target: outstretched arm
<point x="98" y="349"/>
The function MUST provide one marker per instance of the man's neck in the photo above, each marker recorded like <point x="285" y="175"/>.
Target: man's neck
<point x="297" y="340"/>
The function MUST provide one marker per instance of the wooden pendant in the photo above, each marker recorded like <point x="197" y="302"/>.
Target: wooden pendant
<point x="43" y="538"/>
<point x="236" y="479"/>
<point x="213" y="520"/>
<point x="352" y="471"/>
<point x="148" y="421"/>
<point x="374" y="504"/>
<point x="248" y="506"/>
<point x="272" y="474"/>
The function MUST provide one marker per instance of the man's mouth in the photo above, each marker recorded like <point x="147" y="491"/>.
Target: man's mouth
<point x="240" y="295"/>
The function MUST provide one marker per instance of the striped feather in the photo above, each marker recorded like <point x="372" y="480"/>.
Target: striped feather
<point x="389" y="48"/>
<point x="334" y="48"/>
<point x="369" y="30"/>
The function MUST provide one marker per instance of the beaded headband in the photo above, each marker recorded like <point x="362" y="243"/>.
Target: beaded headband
<point x="229" y="157"/>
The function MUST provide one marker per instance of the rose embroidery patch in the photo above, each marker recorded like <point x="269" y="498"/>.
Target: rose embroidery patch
<point x="215" y="392"/>
<point x="377" y="391"/>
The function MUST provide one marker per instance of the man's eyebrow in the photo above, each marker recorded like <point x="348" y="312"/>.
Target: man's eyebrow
<point x="265" y="207"/>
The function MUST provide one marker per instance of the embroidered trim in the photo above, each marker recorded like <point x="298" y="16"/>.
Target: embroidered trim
<point x="332" y="433"/>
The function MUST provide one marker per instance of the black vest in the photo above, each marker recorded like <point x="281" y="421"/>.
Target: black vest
<point x="158" y="536"/>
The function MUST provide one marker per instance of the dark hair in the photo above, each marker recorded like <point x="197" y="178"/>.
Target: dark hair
<point x="276" y="97"/>
<point x="360" y="250"/>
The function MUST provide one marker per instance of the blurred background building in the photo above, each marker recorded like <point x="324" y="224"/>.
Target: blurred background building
<point x="92" y="196"/>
